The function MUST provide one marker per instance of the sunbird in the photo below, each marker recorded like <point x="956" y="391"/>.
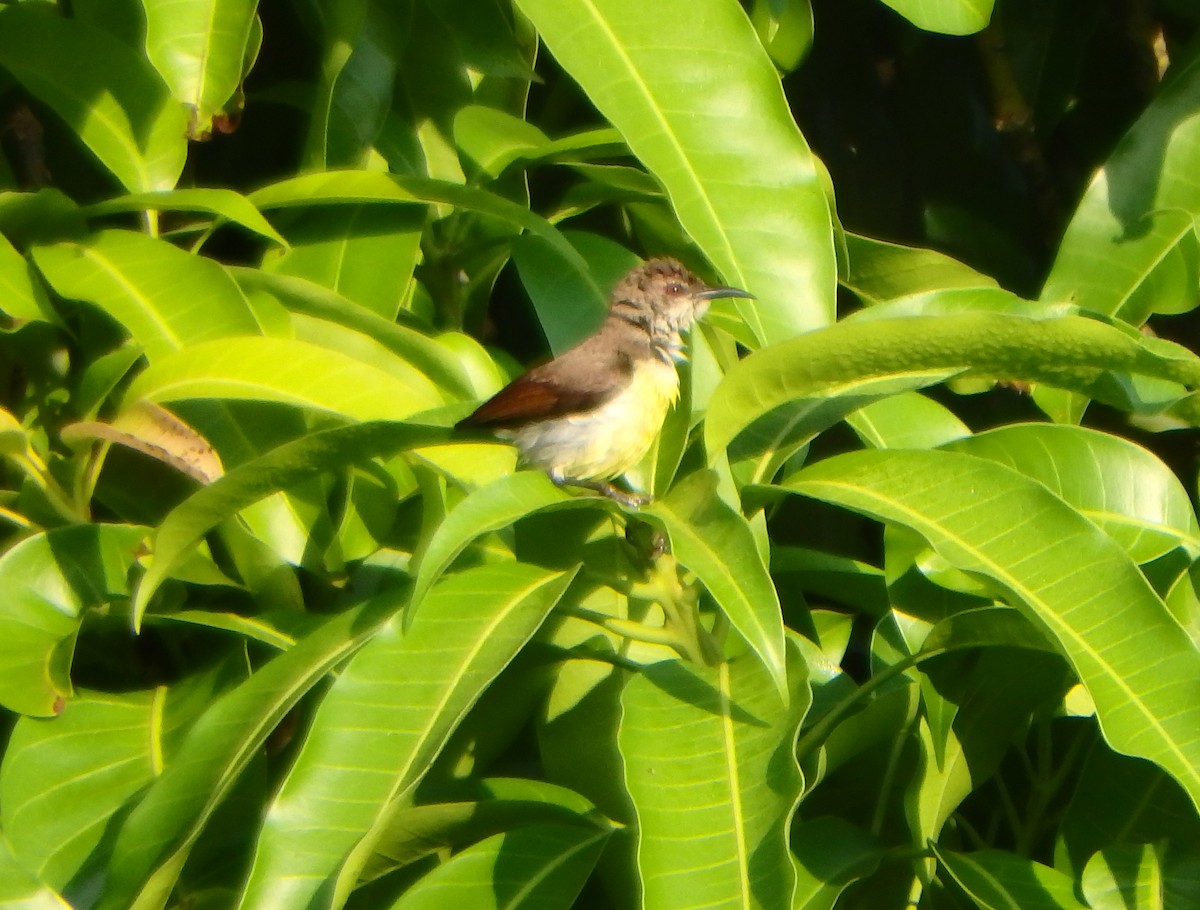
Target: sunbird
<point x="590" y="414"/>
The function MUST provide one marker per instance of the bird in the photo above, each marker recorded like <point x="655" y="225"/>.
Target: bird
<point x="590" y="414"/>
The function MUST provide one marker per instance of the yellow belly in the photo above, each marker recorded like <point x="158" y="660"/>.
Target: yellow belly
<point x="609" y="440"/>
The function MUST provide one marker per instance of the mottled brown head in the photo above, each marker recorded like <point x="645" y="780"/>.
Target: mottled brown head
<point x="665" y="297"/>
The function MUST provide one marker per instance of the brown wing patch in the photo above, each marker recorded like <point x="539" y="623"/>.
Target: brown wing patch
<point x="542" y="393"/>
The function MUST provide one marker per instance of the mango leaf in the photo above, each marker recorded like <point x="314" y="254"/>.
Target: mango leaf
<point x="226" y="204"/>
<point x="64" y="779"/>
<point x="20" y="298"/>
<point x="136" y="279"/>
<point x="1069" y="352"/>
<point x="830" y="854"/>
<point x="282" y="467"/>
<point x="199" y="47"/>
<point x="287" y="371"/>
<point x="1117" y="799"/>
<point x="384" y="720"/>
<point x="1064" y="573"/>
<point x="709" y="764"/>
<point x="449" y="368"/>
<point x="1138" y="214"/>
<point x="716" y="543"/>
<point x="154" y="839"/>
<point x="880" y="271"/>
<point x="20" y="889"/>
<point x="364" y="252"/>
<point x="495" y="506"/>
<point x="533" y="867"/>
<point x="996" y="880"/>
<point x="1123" y="877"/>
<point x="108" y="94"/>
<point x="769" y="231"/>
<point x="1123" y="488"/>
<point x="950" y="17"/>
<point x="49" y="580"/>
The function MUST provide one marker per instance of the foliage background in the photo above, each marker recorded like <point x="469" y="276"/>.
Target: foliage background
<point x="926" y="630"/>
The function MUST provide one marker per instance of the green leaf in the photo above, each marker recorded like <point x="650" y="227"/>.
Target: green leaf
<point x="1071" y="579"/>
<point x="155" y="838"/>
<point x="20" y="298"/>
<point x="1124" y="877"/>
<point x="769" y="230"/>
<point x="1123" y="800"/>
<point x="534" y="867"/>
<point x="830" y="854"/>
<point x="882" y="271"/>
<point x="495" y="506"/>
<point x="288" y="371"/>
<point x="996" y="880"/>
<point x="447" y="366"/>
<point x="908" y="420"/>
<point x="464" y="812"/>
<point x="199" y="47"/>
<point x="1123" y="488"/>
<point x="364" y="252"/>
<point x="709" y="765"/>
<point x="386" y="717"/>
<point x="227" y="204"/>
<point x="63" y="780"/>
<point x="282" y="467"/>
<point x="104" y="91"/>
<point x="951" y="17"/>
<point x="716" y="543"/>
<point x="136" y="279"/>
<point x="49" y="580"/>
<point x="1131" y="246"/>
<point x="20" y="889"/>
<point x="1069" y="352"/>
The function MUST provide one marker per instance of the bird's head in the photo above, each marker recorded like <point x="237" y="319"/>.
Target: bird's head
<point x="667" y="294"/>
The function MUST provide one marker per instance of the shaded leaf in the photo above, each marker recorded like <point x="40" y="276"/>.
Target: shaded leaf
<point x="108" y="95"/>
<point x="1138" y="663"/>
<point x="716" y="543"/>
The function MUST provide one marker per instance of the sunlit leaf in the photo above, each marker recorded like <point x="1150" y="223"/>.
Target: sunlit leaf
<point x="768" y="231"/>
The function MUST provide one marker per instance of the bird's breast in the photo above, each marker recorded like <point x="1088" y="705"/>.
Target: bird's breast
<point x="607" y="440"/>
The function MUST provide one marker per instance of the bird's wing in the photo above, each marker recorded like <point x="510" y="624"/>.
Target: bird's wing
<point x="568" y="385"/>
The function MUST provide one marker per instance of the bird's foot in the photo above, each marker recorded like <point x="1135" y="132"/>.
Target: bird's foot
<point x="629" y="500"/>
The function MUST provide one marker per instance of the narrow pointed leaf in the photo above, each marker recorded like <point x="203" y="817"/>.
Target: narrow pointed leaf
<point x="385" y="719"/>
<point x="226" y="204"/>
<point x="716" y="543"/>
<point x="1137" y="662"/>
<point x="769" y="229"/>
<point x="710" y="767"/>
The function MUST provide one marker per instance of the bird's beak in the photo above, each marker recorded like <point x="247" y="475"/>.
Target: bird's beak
<point x="714" y="293"/>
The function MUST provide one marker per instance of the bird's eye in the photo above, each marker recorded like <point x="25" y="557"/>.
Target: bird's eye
<point x="675" y="287"/>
